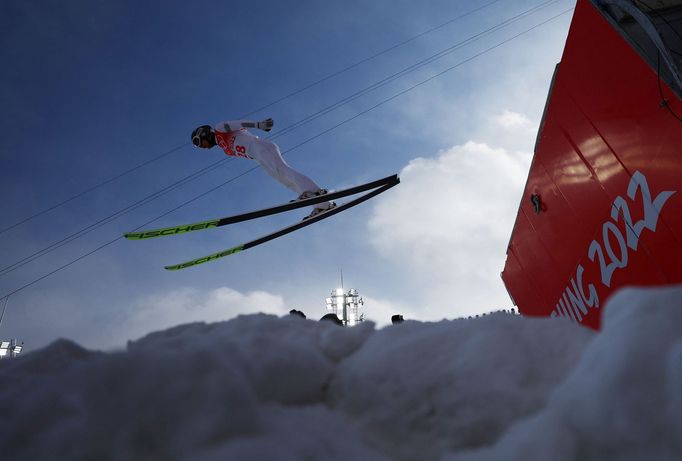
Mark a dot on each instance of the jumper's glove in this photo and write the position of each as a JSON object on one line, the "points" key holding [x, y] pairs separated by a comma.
{"points": [[265, 125]]}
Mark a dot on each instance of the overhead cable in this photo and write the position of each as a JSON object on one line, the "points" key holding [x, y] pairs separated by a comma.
{"points": [[434, 57], [276, 101], [385, 101], [290, 128]]}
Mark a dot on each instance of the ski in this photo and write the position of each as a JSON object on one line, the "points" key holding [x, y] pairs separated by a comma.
{"points": [[286, 230], [209, 224]]}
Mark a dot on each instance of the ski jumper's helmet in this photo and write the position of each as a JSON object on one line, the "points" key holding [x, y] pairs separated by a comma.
{"points": [[201, 133]]}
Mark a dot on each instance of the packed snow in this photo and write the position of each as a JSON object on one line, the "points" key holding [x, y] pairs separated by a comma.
{"points": [[260, 387]]}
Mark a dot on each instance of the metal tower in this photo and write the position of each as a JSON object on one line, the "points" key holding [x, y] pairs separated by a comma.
{"points": [[346, 306], [10, 349]]}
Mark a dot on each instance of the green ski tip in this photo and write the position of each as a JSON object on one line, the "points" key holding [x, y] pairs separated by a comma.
{"points": [[171, 230], [205, 259]]}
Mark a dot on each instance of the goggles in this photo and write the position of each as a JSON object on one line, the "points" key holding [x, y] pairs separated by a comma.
{"points": [[200, 134]]}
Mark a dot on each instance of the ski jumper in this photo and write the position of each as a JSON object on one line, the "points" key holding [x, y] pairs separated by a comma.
{"points": [[238, 142]]}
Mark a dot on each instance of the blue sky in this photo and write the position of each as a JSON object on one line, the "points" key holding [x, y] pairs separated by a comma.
{"points": [[92, 89]]}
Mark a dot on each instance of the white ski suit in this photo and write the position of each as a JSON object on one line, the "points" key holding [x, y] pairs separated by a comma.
{"points": [[236, 141]]}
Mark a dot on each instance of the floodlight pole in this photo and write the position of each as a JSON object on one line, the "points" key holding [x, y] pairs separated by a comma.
{"points": [[12, 345], [345, 306]]}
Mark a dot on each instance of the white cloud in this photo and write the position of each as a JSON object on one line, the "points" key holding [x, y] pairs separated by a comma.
{"points": [[380, 310], [187, 305], [513, 130], [449, 222], [510, 120]]}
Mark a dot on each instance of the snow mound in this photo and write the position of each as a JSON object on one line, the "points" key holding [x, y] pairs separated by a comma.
{"points": [[262, 387], [623, 399]]}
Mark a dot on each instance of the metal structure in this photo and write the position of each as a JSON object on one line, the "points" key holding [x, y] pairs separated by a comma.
{"points": [[10, 349], [346, 306]]}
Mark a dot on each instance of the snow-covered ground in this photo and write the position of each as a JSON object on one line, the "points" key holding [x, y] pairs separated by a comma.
{"points": [[259, 387]]}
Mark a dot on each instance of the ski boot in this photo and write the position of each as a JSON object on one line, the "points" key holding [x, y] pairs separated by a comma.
{"points": [[310, 194], [318, 210]]}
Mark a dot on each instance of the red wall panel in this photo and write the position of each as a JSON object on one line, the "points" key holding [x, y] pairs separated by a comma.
{"points": [[607, 167]]}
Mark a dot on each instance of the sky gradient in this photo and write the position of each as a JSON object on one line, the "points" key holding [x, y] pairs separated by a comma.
{"points": [[93, 89]]}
